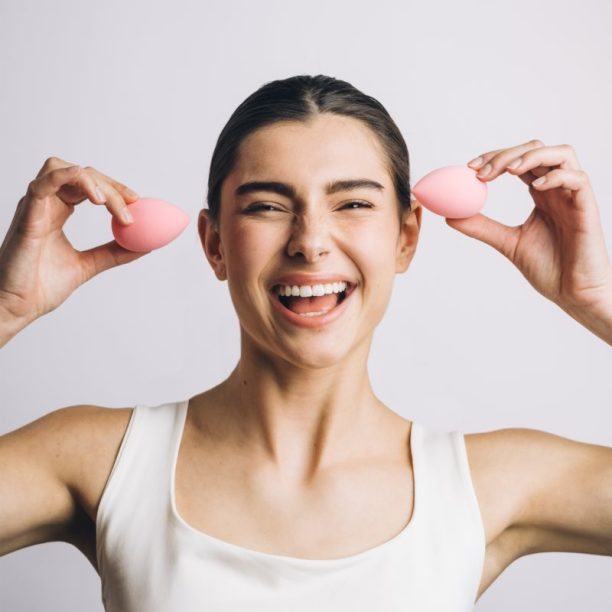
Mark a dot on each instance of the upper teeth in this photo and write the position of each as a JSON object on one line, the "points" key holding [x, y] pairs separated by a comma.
{"points": [[310, 290]]}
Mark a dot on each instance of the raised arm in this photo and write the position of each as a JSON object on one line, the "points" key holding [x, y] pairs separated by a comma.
{"points": [[41, 462]]}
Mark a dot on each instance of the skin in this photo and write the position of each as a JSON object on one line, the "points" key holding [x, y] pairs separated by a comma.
{"points": [[300, 400], [560, 248]]}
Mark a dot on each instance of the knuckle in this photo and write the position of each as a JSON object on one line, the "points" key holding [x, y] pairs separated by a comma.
{"points": [[583, 177], [536, 142], [32, 188]]}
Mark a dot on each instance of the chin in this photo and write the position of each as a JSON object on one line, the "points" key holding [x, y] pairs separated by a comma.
{"points": [[320, 353]]}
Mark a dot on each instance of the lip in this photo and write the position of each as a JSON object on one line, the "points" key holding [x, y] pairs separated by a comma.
{"points": [[312, 322], [311, 279]]}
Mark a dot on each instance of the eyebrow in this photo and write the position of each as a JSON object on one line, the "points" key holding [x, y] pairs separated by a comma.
{"points": [[288, 191]]}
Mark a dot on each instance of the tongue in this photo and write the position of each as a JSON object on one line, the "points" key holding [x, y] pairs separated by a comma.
{"points": [[312, 304]]}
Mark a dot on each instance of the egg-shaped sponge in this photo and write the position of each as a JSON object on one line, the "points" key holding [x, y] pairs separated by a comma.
{"points": [[156, 223], [454, 192]]}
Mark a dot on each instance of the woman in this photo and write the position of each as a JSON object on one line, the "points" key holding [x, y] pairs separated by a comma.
{"points": [[290, 485]]}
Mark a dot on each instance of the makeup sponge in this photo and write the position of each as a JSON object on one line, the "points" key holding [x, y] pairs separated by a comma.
{"points": [[452, 191], [156, 223]]}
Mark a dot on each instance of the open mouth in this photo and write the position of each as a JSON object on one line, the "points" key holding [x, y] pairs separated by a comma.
{"points": [[315, 305]]}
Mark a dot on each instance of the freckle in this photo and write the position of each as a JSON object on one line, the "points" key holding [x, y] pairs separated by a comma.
{"points": [[244, 382]]}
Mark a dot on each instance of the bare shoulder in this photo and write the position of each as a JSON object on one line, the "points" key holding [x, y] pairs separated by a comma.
{"points": [[52, 469], [524, 476], [500, 461], [91, 437]]}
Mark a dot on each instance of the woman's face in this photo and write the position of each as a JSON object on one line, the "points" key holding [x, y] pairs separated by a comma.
{"points": [[299, 226]]}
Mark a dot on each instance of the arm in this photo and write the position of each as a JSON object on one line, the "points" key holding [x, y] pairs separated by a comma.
{"points": [[566, 492], [10, 325], [597, 319], [36, 503]]}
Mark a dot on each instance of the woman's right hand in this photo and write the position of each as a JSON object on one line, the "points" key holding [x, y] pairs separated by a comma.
{"points": [[39, 267]]}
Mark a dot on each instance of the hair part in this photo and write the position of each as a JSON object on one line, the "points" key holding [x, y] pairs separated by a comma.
{"points": [[300, 98]]}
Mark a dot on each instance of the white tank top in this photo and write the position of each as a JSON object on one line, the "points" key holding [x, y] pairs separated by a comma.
{"points": [[151, 560]]}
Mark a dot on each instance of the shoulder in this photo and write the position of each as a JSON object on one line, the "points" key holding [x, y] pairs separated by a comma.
{"points": [[512, 468], [500, 462], [88, 438], [561, 490], [59, 458]]}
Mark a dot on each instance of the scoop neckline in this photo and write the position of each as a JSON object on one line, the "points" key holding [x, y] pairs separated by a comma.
{"points": [[181, 523]]}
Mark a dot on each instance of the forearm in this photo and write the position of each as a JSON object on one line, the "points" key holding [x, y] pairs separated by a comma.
{"points": [[596, 319], [10, 325]]}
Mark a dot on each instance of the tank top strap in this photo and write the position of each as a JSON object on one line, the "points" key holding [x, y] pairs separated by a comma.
{"points": [[136, 491], [453, 526]]}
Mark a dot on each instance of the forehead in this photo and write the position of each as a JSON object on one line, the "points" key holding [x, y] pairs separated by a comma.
{"points": [[321, 149]]}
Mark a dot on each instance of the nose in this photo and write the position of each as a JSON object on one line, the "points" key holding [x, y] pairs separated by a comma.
{"points": [[309, 237]]}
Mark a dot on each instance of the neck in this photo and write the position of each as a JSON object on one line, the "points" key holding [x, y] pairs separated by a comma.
{"points": [[301, 420]]}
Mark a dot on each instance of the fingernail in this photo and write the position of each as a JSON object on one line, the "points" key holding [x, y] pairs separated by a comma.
{"points": [[476, 162], [539, 181], [127, 216], [485, 170], [99, 194]]}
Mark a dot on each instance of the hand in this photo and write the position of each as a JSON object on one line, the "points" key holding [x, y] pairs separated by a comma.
{"points": [[39, 267], [560, 248]]}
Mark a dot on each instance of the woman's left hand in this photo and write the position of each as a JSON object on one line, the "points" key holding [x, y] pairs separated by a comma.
{"points": [[560, 248]]}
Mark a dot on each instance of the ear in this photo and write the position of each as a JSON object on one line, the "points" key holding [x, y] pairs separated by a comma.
{"points": [[211, 243], [410, 226]]}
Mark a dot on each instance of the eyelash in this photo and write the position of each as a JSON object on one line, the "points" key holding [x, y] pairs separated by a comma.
{"points": [[257, 207]]}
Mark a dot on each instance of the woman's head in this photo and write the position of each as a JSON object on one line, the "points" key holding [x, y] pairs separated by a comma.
{"points": [[303, 183]]}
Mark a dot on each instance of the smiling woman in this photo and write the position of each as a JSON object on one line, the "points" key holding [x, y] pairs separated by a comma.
{"points": [[290, 485]]}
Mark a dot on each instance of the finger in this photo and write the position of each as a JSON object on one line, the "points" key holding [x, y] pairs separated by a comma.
{"points": [[101, 191], [124, 190], [568, 179], [502, 238], [49, 184], [542, 160], [106, 256], [84, 185], [115, 204], [495, 162]]}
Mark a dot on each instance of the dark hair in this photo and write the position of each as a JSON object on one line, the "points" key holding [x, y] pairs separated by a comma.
{"points": [[299, 98]]}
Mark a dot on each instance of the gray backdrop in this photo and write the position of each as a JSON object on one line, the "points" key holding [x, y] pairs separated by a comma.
{"points": [[141, 90]]}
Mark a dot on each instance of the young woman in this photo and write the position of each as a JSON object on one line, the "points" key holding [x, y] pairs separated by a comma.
{"points": [[290, 485]]}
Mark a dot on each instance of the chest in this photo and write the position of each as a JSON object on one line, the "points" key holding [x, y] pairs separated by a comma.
{"points": [[340, 513], [343, 512]]}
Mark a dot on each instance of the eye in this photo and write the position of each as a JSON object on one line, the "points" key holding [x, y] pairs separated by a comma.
{"points": [[358, 203], [257, 207]]}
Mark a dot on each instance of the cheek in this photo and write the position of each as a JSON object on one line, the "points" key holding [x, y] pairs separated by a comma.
{"points": [[248, 251], [373, 251]]}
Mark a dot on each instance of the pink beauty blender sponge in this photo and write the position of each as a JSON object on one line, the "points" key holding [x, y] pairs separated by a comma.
{"points": [[452, 191], [156, 223]]}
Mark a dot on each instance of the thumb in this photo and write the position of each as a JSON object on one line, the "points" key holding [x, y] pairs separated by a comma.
{"points": [[105, 256], [502, 238]]}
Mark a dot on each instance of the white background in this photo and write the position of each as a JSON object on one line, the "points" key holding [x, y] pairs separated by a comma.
{"points": [[140, 90]]}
